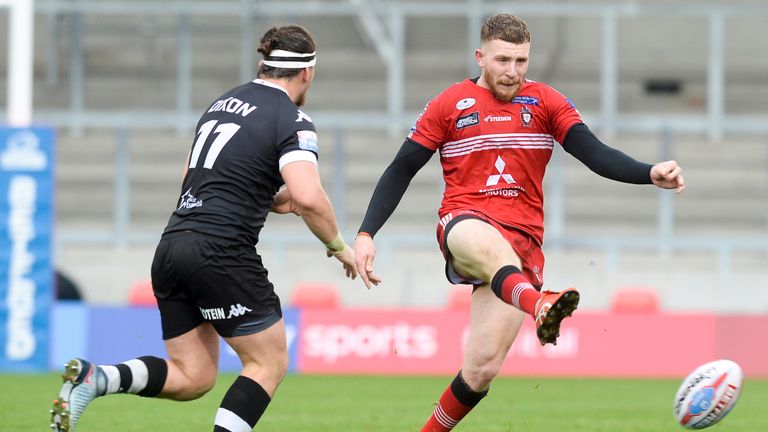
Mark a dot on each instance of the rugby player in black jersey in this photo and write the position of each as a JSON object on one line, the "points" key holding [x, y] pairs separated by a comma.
{"points": [[207, 276]]}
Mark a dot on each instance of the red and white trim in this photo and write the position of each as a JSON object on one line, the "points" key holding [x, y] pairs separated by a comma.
{"points": [[517, 291], [443, 418], [497, 141]]}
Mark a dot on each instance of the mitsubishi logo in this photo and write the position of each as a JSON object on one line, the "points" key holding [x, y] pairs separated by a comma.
{"points": [[493, 179]]}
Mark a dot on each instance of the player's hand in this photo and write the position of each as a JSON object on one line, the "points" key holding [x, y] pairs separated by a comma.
{"points": [[365, 252], [668, 175], [347, 258]]}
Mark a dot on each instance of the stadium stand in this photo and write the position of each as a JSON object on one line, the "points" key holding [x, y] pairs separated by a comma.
{"points": [[130, 69]]}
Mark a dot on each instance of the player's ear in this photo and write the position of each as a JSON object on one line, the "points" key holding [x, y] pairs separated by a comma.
{"points": [[479, 57], [308, 73]]}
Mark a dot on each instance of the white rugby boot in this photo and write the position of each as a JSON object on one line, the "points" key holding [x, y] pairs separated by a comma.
{"points": [[83, 382]]}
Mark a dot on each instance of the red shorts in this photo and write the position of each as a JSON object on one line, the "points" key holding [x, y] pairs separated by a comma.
{"points": [[524, 245]]}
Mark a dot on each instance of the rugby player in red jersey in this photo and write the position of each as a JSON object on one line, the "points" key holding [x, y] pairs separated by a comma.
{"points": [[495, 135]]}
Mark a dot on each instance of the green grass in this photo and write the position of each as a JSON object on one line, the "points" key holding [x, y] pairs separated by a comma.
{"points": [[370, 404]]}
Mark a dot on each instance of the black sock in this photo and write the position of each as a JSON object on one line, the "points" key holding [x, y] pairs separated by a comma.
{"points": [[242, 406], [464, 393]]}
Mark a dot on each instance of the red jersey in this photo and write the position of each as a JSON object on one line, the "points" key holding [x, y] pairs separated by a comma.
{"points": [[494, 154]]}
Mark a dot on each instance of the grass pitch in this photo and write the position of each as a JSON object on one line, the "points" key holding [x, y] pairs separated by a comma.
{"points": [[373, 404]]}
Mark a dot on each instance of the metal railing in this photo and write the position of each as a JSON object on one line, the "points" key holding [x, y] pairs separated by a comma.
{"points": [[385, 23]]}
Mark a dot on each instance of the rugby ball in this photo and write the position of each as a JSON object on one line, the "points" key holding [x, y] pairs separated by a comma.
{"points": [[708, 394]]}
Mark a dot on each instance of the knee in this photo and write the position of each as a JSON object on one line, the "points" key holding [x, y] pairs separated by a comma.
{"points": [[198, 387], [203, 386], [196, 384], [269, 373], [279, 367], [478, 374]]}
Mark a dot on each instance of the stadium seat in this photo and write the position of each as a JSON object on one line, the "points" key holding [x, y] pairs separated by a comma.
{"points": [[141, 294], [316, 295], [635, 300], [460, 298]]}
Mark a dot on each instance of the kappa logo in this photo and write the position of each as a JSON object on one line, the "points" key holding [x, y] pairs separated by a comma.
{"points": [[302, 116], [493, 179], [237, 310]]}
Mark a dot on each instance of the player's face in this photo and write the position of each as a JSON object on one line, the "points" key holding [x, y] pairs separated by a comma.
{"points": [[504, 66]]}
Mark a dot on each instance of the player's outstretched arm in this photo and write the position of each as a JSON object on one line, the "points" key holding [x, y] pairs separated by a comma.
{"points": [[668, 175], [311, 202], [386, 196], [605, 161]]}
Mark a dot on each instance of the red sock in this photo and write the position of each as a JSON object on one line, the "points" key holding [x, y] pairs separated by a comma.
{"points": [[449, 410], [512, 287]]}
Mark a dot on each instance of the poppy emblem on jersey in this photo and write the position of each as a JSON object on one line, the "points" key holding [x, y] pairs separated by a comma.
{"points": [[526, 116], [465, 103], [468, 120]]}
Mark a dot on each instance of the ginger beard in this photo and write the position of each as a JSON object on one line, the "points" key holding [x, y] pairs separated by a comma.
{"points": [[503, 89]]}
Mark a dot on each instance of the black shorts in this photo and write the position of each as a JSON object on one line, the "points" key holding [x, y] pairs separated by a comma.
{"points": [[198, 278]]}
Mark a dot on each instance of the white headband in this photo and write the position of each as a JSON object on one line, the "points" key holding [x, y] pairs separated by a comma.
{"points": [[290, 60]]}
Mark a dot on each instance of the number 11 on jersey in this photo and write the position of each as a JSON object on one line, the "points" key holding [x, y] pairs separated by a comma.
{"points": [[224, 132]]}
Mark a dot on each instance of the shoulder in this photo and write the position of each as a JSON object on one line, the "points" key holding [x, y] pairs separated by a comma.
{"points": [[535, 93], [454, 100], [460, 95]]}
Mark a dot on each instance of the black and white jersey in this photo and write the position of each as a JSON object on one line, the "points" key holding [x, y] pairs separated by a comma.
{"points": [[241, 142]]}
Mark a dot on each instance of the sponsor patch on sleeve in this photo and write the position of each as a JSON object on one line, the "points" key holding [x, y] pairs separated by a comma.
{"points": [[307, 140], [526, 100]]}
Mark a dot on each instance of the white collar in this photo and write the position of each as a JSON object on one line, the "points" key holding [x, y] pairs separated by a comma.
{"points": [[269, 84]]}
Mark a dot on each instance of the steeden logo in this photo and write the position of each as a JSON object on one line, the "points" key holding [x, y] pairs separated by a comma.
{"points": [[497, 118]]}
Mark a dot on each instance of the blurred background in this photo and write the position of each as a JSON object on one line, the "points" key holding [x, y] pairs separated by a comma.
{"points": [[122, 84]]}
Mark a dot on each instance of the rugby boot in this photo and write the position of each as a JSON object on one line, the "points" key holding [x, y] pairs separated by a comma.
{"points": [[550, 310], [83, 382]]}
